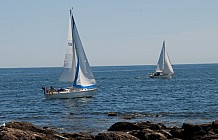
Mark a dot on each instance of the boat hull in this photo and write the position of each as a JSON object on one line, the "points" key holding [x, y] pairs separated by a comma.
{"points": [[169, 76], [71, 93]]}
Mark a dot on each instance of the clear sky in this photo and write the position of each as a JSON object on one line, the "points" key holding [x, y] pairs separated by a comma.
{"points": [[33, 33]]}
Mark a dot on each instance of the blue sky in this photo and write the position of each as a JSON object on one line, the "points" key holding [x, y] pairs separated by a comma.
{"points": [[33, 33]]}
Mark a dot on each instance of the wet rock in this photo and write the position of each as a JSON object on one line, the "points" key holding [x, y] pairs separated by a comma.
{"points": [[112, 114], [128, 117], [123, 126]]}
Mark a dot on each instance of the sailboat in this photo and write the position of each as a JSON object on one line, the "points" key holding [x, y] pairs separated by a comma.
{"points": [[76, 69], [164, 68]]}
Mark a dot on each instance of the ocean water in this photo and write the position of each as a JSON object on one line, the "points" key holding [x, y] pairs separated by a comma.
{"points": [[190, 96]]}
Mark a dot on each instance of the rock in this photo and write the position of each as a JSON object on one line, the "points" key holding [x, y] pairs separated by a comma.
{"points": [[210, 137], [28, 131], [155, 136], [28, 126], [123, 126], [115, 136], [215, 125], [190, 128], [23, 126], [120, 130], [194, 132], [166, 134], [112, 114], [140, 134], [150, 125], [128, 117], [176, 132], [152, 131], [79, 136], [148, 134], [16, 134]]}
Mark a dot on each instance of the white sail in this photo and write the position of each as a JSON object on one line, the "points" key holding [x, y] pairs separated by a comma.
{"points": [[83, 81], [160, 63], [164, 64], [76, 67], [69, 68], [168, 69]]}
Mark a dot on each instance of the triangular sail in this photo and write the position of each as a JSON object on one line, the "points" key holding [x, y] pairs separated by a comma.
{"points": [[85, 76], [82, 73], [168, 69], [164, 64], [69, 68], [160, 63]]}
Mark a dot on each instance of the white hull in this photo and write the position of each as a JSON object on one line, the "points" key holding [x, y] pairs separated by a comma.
{"points": [[71, 93], [161, 76]]}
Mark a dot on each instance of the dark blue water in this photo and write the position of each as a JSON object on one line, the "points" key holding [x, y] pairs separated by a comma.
{"points": [[191, 96]]}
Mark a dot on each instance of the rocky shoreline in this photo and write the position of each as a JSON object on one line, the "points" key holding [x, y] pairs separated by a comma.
{"points": [[118, 131]]}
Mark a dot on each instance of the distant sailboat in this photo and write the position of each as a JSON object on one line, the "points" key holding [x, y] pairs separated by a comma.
{"points": [[76, 69], [164, 68]]}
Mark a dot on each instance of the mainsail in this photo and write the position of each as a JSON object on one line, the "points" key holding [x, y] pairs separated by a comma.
{"points": [[164, 64], [76, 65]]}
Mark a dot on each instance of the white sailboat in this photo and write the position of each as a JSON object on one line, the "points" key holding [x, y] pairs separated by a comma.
{"points": [[76, 69], [164, 68]]}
